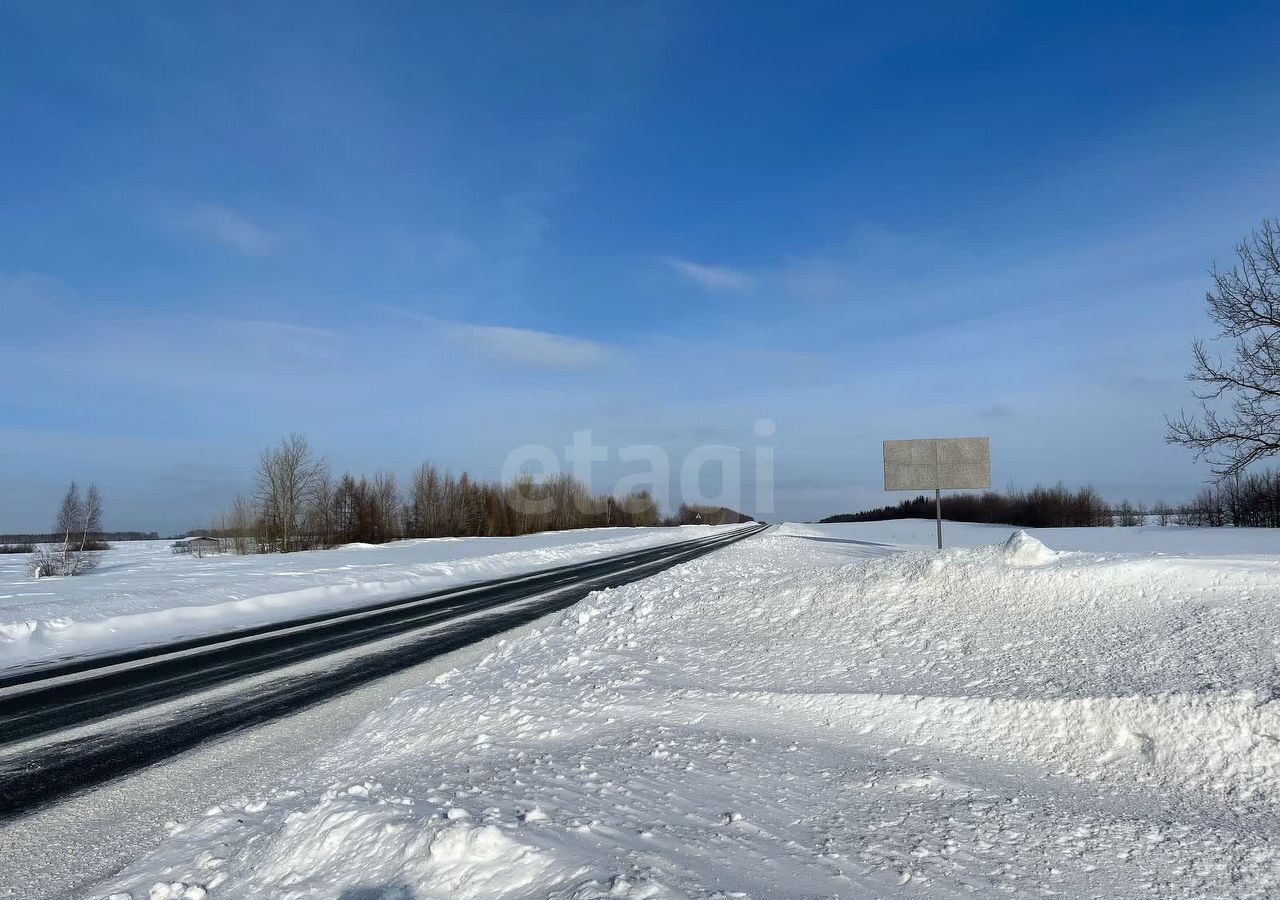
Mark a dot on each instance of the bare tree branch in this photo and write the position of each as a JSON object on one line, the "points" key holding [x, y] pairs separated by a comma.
{"points": [[1245, 304]]}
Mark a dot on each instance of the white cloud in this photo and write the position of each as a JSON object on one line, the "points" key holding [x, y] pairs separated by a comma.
{"points": [[712, 278], [531, 348], [227, 227]]}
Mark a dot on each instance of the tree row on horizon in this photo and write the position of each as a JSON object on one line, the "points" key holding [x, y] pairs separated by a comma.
{"points": [[297, 504]]}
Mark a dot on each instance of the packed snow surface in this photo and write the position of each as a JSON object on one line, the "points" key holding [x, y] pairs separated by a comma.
{"points": [[819, 711], [142, 594]]}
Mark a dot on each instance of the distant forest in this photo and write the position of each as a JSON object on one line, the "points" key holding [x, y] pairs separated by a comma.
{"points": [[298, 505], [50, 538], [1251, 500], [1040, 507]]}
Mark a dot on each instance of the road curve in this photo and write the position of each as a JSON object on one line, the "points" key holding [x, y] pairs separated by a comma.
{"points": [[67, 727]]}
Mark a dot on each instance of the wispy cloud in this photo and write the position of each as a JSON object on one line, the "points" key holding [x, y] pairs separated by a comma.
{"points": [[211, 352], [283, 339], [531, 348], [28, 290], [449, 247], [225, 226], [712, 278]]}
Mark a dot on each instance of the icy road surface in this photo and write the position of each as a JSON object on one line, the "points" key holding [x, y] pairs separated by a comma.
{"points": [[811, 713]]}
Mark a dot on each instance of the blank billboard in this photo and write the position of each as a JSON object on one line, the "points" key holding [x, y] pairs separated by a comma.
{"points": [[931, 463]]}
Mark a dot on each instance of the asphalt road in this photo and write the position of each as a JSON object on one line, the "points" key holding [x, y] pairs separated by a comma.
{"points": [[66, 728]]}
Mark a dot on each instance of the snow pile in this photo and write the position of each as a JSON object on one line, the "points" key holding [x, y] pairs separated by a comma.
{"points": [[810, 714], [143, 594], [1023, 550]]}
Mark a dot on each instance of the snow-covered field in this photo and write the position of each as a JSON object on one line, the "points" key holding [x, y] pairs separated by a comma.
{"points": [[1148, 539], [142, 594], [812, 713]]}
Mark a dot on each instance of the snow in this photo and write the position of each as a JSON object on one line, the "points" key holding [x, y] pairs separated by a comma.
{"points": [[1023, 550], [60, 850], [1148, 539], [817, 711], [143, 594]]}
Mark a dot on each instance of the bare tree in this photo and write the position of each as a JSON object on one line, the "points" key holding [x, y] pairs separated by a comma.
{"points": [[240, 524], [319, 514], [70, 515], [1129, 515], [450, 506], [423, 510], [287, 477], [639, 508], [386, 505], [345, 516], [1245, 304], [91, 521], [76, 521], [530, 506]]}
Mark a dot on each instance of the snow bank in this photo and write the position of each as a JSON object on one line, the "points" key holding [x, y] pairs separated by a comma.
{"points": [[809, 714], [142, 594]]}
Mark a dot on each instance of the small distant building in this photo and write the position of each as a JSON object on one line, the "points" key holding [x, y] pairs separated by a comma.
{"points": [[197, 545]]}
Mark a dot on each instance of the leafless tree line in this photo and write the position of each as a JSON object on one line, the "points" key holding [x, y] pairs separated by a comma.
{"points": [[1040, 507], [46, 537], [297, 504], [696, 514], [1248, 500], [79, 524], [1127, 514]]}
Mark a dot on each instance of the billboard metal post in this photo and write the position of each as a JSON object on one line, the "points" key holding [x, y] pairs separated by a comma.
{"points": [[937, 491], [937, 463], [937, 505]]}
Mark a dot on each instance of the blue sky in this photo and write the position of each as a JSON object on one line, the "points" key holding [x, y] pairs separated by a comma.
{"points": [[441, 231]]}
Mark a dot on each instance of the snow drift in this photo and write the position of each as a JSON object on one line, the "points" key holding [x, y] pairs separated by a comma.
{"points": [[809, 714]]}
